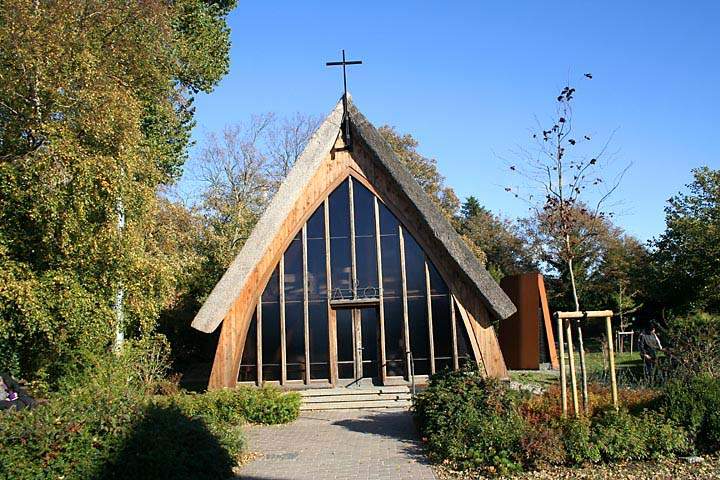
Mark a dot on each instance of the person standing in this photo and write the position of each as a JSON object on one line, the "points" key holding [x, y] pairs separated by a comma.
{"points": [[649, 347]]}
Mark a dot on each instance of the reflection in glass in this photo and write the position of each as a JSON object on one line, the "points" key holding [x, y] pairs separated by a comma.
{"points": [[414, 267], [365, 244], [437, 284], [317, 282], [341, 270], [388, 222], [248, 364], [271, 328]]}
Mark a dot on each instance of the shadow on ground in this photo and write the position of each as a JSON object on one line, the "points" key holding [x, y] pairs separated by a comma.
{"points": [[168, 444], [398, 425]]}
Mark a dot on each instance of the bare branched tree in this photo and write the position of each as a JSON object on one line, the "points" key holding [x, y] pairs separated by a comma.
{"points": [[567, 189], [241, 168], [565, 185], [287, 140]]}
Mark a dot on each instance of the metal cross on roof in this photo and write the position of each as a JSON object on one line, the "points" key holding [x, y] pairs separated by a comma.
{"points": [[345, 125]]}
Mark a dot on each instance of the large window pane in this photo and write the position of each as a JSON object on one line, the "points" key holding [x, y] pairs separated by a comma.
{"points": [[442, 332], [394, 338], [370, 338], [294, 311], [248, 364], [414, 267], [419, 336], [388, 222], [294, 340], [365, 243], [271, 327], [366, 254], [294, 271], [319, 341], [437, 284], [364, 207], [317, 282], [391, 268], [346, 367], [341, 269]]}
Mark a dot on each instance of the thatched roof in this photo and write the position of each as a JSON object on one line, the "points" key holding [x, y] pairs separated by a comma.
{"points": [[434, 222]]}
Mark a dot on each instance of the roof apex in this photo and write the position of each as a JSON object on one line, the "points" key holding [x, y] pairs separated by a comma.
{"points": [[233, 281]]}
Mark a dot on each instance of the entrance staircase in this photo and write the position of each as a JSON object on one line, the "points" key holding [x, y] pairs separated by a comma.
{"points": [[356, 398]]}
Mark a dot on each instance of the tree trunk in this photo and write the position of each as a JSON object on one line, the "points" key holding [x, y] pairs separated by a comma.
{"points": [[581, 346]]}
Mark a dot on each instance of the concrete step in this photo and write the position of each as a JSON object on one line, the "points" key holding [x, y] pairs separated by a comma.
{"points": [[356, 398], [358, 405], [325, 392]]}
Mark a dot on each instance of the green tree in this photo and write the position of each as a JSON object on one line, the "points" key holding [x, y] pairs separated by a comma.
{"points": [[424, 169], [686, 257], [95, 113], [505, 251]]}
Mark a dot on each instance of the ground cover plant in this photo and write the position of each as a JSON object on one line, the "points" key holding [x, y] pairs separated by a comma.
{"points": [[474, 424], [111, 420]]}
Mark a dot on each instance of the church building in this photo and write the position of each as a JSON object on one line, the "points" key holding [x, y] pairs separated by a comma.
{"points": [[352, 276]]}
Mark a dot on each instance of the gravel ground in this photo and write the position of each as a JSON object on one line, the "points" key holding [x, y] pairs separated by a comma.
{"points": [[655, 470]]}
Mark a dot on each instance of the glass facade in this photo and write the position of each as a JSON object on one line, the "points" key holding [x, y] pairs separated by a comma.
{"points": [[317, 287]]}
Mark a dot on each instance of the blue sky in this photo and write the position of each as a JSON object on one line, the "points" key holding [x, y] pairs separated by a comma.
{"points": [[468, 79]]}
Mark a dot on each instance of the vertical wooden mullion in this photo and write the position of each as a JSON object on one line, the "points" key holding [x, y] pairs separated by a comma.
{"points": [[332, 319], [353, 264], [406, 323], [258, 338], [453, 329], [283, 354], [381, 308], [306, 308], [431, 340]]}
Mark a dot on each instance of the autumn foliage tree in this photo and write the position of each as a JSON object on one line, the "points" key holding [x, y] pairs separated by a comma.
{"points": [[95, 113]]}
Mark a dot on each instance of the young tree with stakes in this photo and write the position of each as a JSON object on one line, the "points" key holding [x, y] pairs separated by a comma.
{"points": [[564, 174]]}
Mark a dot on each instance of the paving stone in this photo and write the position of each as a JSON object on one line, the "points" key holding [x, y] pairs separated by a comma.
{"points": [[339, 444]]}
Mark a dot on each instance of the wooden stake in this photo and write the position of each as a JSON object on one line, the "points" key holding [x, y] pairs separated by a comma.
{"points": [[583, 369], [563, 375], [611, 354], [573, 377]]}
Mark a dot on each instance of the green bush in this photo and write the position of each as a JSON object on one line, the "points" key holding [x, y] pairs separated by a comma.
{"points": [[267, 405], [577, 440], [470, 421], [693, 342], [694, 403], [621, 436], [105, 423]]}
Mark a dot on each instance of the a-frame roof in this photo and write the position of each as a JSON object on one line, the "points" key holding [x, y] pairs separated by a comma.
{"points": [[433, 223]]}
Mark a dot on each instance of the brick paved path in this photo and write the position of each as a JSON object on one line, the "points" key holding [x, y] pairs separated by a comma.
{"points": [[367, 445]]}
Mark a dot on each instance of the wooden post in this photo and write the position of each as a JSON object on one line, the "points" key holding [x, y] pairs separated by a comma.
{"points": [[258, 339], [381, 306], [332, 320], [611, 354], [453, 330], [406, 322], [431, 339], [583, 369], [563, 374], [283, 341], [573, 377], [306, 305]]}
